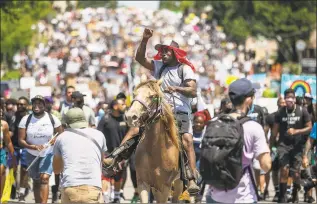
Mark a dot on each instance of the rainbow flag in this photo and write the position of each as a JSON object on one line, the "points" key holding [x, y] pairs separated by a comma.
{"points": [[301, 84]]}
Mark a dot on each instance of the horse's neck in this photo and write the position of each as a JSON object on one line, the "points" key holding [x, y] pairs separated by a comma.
{"points": [[156, 134]]}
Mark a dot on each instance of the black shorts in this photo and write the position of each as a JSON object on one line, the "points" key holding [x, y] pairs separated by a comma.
{"points": [[290, 157], [275, 164]]}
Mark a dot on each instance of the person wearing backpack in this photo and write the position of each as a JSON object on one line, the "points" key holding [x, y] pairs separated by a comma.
{"points": [[36, 130], [230, 143], [293, 123]]}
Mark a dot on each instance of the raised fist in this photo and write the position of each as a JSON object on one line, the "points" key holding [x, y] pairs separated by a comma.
{"points": [[147, 33]]}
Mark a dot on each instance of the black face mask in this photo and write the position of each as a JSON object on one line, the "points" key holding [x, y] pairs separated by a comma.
{"points": [[49, 108], [39, 113]]}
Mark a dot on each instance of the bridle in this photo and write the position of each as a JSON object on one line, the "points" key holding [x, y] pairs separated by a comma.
{"points": [[151, 113]]}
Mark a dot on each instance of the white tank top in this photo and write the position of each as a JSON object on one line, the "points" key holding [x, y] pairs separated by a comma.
{"points": [[1, 135]]}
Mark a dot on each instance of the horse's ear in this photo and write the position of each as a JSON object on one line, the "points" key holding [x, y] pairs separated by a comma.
{"points": [[160, 81]]}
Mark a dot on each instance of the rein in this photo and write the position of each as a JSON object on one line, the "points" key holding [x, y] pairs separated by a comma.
{"points": [[152, 114]]}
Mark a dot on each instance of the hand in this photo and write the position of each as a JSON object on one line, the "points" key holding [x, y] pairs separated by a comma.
{"points": [[170, 89], [38, 147], [292, 131], [14, 163], [305, 162], [147, 33]]}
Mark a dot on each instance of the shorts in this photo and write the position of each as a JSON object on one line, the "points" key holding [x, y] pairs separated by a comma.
{"points": [[44, 165], [20, 155], [3, 157], [184, 123], [290, 157], [275, 164], [81, 194]]}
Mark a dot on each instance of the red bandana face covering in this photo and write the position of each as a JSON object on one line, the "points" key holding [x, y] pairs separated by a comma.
{"points": [[179, 54]]}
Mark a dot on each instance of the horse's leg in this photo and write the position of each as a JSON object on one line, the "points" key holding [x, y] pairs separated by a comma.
{"points": [[144, 190], [161, 196], [178, 190]]}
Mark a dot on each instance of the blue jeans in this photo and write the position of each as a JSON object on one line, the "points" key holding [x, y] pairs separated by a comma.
{"points": [[44, 165], [20, 155]]}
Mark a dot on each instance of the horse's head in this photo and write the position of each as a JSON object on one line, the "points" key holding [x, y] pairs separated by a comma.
{"points": [[146, 104]]}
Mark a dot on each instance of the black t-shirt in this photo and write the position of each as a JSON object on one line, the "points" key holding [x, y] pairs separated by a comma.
{"points": [[15, 130], [258, 115], [295, 119], [270, 119], [114, 130]]}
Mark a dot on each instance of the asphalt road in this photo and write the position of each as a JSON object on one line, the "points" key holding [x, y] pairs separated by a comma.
{"points": [[129, 191]]}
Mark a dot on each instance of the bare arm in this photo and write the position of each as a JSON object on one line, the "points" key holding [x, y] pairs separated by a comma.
{"points": [[140, 56], [22, 140], [7, 138], [265, 161], [133, 131], [58, 164], [308, 146], [274, 133], [189, 89], [305, 130]]}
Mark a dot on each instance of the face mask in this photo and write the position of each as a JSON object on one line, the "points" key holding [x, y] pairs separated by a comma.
{"points": [[101, 112], [251, 109], [290, 102]]}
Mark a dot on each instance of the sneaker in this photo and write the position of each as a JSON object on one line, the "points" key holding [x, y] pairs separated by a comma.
{"points": [[116, 200], [193, 189], [275, 198], [122, 196], [21, 198], [310, 199], [135, 198]]}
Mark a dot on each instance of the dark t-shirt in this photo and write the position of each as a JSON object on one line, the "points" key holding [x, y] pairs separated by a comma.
{"points": [[114, 130], [270, 119], [296, 120], [258, 115], [15, 130]]}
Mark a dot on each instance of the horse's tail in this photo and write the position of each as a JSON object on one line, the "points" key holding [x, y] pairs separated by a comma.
{"points": [[171, 125]]}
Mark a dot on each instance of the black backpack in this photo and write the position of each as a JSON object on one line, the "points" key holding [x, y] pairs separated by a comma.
{"points": [[221, 152]]}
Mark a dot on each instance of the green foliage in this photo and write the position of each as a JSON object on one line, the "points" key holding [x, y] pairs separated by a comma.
{"points": [[11, 75], [96, 4], [177, 6], [17, 17]]}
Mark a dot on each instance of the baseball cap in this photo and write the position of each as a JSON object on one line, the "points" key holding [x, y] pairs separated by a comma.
{"points": [[38, 97], [75, 118], [77, 94], [308, 95], [241, 87], [49, 99]]}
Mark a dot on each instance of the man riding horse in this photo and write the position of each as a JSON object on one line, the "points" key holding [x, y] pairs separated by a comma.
{"points": [[179, 87]]}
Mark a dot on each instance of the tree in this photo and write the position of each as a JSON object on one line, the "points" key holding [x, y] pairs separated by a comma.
{"points": [[96, 4], [176, 5], [17, 17], [284, 21]]}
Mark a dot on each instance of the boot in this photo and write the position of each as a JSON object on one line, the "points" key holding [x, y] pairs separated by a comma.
{"points": [[193, 188], [282, 195]]}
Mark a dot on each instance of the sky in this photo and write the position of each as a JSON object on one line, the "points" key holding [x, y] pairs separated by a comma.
{"points": [[140, 4]]}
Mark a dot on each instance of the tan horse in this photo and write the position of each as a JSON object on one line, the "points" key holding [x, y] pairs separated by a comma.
{"points": [[157, 155]]}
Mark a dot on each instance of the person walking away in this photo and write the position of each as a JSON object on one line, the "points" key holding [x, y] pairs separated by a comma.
{"points": [[270, 119], [36, 130], [114, 128], [20, 152], [65, 105], [80, 169], [5, 140], [78, 101], [292, 123], [49, 108], [246, 141]]}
